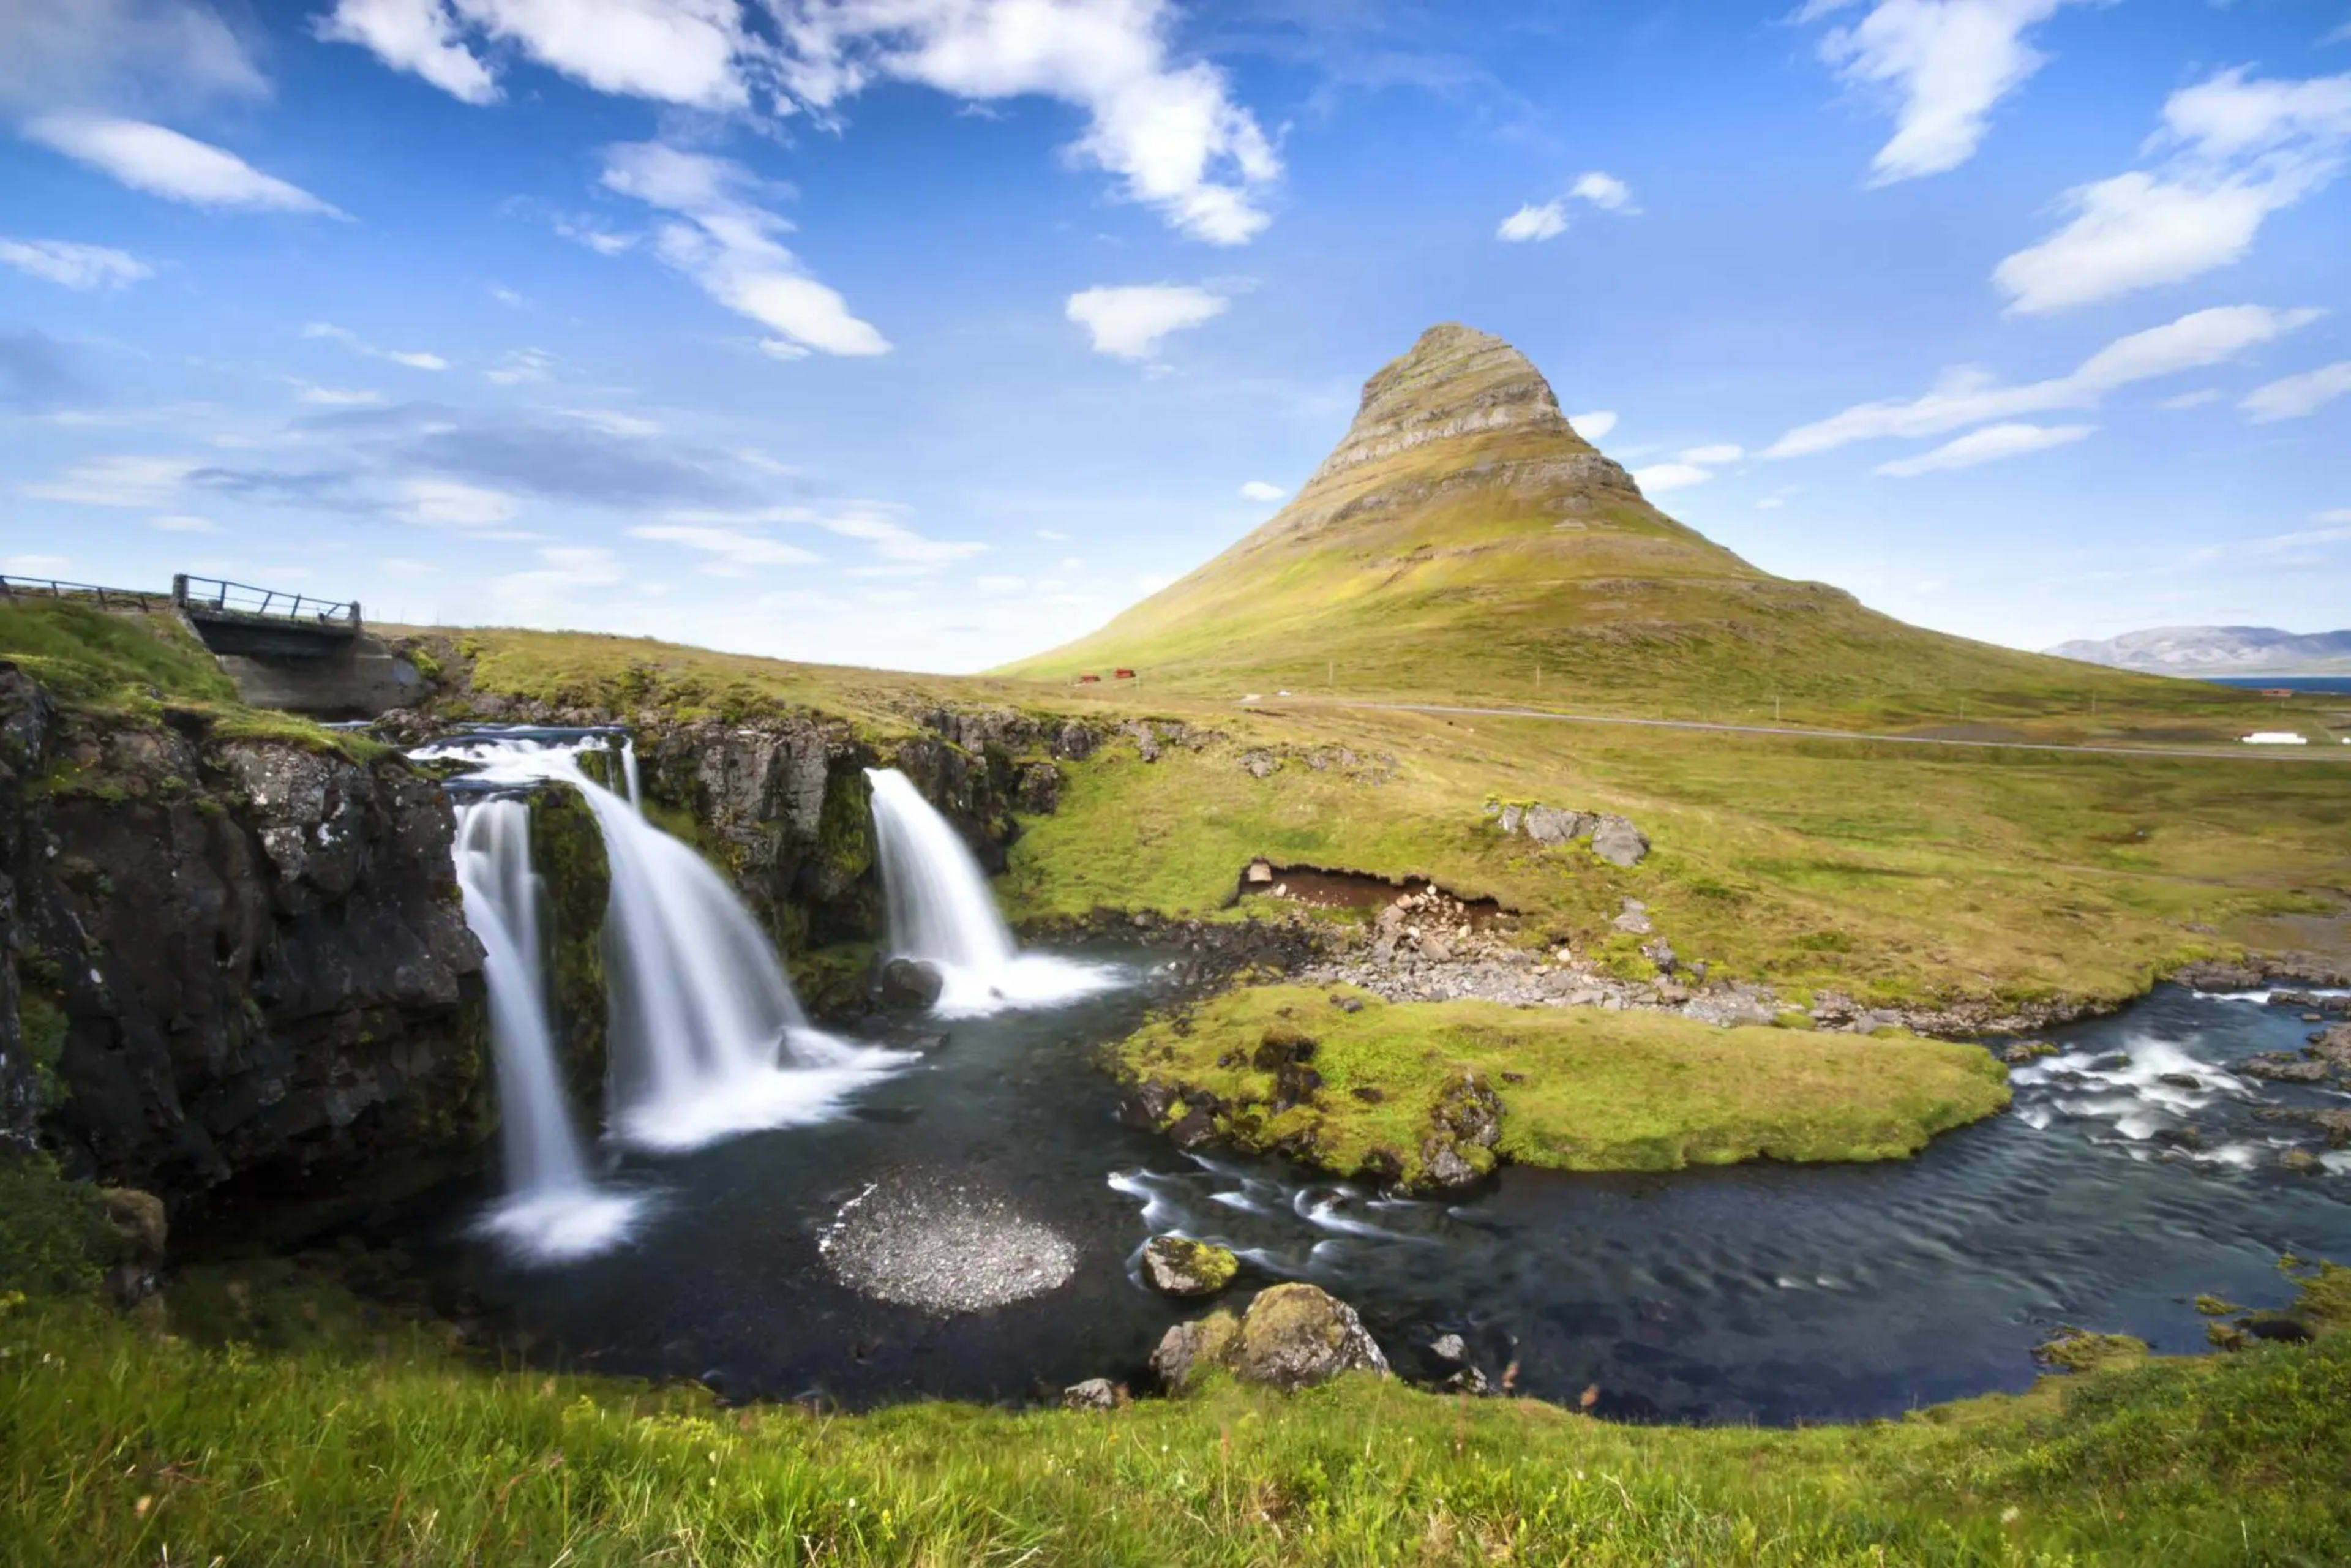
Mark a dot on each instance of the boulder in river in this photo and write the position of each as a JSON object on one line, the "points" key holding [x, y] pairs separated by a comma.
{"points": [[1293, 1336], [1178, 1266], [910, 983], [1094, 1394]]}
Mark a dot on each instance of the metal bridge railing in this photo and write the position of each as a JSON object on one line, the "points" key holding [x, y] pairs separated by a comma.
{"points": [[203, 593], [49, 588]]}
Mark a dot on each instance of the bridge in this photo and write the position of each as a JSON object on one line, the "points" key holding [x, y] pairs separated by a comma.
{"points": [[237, 618]]}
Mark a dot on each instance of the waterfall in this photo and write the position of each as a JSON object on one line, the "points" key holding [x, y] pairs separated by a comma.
{"points": [[629, 773], [706, 1038], [942, 912], [551, 1211]]}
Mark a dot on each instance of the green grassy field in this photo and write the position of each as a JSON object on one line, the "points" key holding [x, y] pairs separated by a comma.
{"points": [[1581, 1089], [320, 1433]]}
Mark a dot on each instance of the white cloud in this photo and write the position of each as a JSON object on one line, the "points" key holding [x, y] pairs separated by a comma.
{"points": [[733, 546], [165, 163], [144, 483], [446, 503], [906, 552], [519, 365], [614, 422], [1170, 134], [2188, 400], [1549, 219], [1534, 223], [1945, 63], [2295, 396], [418, 35], [2241, 148], [1053, 534], [1986, 446], [79, 53], [1967, 395], [1127, 323], [603, 242], [1153, 581], [695, 53], [1592, 426], [182, 523], [1603, 191], [415, 360], [1660, 477], [34, 565], [1714, 456], [727, 247], [1258, 490], [75, 265], [1001, 584], [340, 397]]}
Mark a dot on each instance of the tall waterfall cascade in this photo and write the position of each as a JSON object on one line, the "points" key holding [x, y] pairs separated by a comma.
{"points": [[552, 1210], [706, 1037], [942, 912]]}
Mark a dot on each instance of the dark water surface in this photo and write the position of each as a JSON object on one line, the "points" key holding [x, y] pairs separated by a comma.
{"points": [[2325, 684], [1770, 1293]]}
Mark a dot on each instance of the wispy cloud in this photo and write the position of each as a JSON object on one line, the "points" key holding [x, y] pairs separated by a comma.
{"points": [[75, 265], [1130, 322], [2241, 147], [1549, 220], [415, 360], [1986, 445], [2294, 396], [727, 244], [1258, 490], [1968, 395], [1944, 64], [162, 162]]}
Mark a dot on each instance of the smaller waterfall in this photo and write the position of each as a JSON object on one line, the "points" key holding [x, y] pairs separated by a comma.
{"points": [[629, 773], [942, 912], [551, 1210]]}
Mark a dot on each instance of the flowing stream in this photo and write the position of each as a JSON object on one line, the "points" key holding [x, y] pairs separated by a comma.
{"points": [[942, 912], [1760, 1292]]}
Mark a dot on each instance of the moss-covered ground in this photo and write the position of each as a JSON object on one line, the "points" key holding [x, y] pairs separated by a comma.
{"points": [[1901, 873], [284, 1427], [1581, 1089], [127, 667]]}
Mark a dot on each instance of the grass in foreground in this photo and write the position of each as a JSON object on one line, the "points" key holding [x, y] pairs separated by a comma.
{"points": [[120, 1446], [1581, 1089]]}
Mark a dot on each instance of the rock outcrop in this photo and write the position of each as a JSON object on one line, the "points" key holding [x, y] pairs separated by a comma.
{"points": [[1178, 1266], [1293, 1336], [245, 955], [1612, 838]]}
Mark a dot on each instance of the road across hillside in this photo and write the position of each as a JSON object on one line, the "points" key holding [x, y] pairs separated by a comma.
{"points": [[2317, 752]]}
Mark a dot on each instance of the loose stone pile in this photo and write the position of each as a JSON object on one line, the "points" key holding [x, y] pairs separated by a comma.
{"points": [[945, 1245]]}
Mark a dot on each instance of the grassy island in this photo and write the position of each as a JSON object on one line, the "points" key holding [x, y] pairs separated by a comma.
{"points": [[1578, 1088]]}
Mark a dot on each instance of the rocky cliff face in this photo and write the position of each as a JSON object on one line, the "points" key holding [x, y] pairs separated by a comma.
{"points": [[781, 802], [246, 957]]}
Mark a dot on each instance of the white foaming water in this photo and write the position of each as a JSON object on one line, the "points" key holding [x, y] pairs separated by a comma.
{"points": [[2137, 1093], [551, 1211], [941, 913], [708, 1038]]}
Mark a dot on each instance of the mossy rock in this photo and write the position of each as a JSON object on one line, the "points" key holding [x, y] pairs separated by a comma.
{"points": [[2079, 1349], [1180, 1266], [567, 850]]}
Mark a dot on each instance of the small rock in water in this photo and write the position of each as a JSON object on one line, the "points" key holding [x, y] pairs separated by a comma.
{"points": [[2302, 1162], [1468, 1380], [1450, 1347], [1178, 1266], [909, 983]]}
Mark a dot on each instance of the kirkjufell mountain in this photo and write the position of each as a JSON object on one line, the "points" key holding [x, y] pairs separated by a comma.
{"points": [[1462, 536]]}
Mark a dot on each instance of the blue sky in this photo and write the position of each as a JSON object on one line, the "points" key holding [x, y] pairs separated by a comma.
{"points": [[924, 333]]}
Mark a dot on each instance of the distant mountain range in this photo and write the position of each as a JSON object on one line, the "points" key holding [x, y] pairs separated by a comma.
{"points": [[2217, 650]]}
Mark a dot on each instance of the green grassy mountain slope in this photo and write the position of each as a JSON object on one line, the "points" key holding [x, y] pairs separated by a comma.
{"points": [[1462, 535]]}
